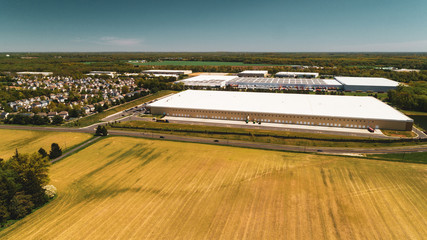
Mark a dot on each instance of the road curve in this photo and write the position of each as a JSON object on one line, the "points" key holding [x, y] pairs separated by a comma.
{"points": [[235, 143]]}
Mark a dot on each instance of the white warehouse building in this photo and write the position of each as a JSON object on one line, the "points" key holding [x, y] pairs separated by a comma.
{"points": [[205, 81], [297, 75], [253, 73], [367, 84], [284, 83], [302, 109], [172, 72]]}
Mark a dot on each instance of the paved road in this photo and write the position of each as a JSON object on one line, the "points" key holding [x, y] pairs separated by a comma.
{"points": [[376, 150], [420, 133], [235, 143]]}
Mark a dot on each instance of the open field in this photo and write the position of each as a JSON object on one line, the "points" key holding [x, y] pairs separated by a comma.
{"points": [[200, 63], [30, 141], [129, 188], [89, 120], [258, 135]]}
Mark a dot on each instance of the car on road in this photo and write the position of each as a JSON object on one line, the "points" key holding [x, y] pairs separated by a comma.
{"points": [[216, 140], [162, 137]]}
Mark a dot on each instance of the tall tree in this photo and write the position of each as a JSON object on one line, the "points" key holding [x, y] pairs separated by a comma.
{"points": [[55, 151], [32, 174], [42, 152]]}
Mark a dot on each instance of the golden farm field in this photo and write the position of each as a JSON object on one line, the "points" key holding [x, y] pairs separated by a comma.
{"points": [[31, 141], [129, 188]]}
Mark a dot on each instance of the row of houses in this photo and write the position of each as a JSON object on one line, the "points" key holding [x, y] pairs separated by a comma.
{"points": [[37, 102], [66, 84], [50, 115]]}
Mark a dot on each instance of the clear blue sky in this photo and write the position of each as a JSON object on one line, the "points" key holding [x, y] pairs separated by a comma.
{"points": [[220, 25]]}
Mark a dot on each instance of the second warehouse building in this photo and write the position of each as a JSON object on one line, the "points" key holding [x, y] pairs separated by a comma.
{"points": [[303, 109]]}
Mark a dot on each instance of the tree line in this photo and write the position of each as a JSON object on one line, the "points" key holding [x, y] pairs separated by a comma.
{"points": [[21, 119], [411, 97]]}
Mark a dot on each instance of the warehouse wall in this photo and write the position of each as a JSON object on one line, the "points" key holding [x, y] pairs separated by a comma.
{"points": [[367, 88], [286, 118]]}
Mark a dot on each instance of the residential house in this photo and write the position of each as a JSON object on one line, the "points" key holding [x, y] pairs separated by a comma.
{"points": [[63, 114]]}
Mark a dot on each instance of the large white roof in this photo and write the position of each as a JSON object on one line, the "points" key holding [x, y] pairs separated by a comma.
{"points": [[255, 71], [283, 81], [282, 103], [208, 78], [167, 71], [367, 81], [297, 73]]}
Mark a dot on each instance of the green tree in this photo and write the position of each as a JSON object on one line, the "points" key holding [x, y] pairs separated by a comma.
{"points": [[8, 188], [125, 89], [101, 131], [57, 120], [32, 174], [99, 108], [98, 131], [42, 152], [20, 205], [104, 131], [74, 113], [55, 151]]}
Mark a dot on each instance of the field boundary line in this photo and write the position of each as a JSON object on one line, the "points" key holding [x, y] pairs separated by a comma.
{"points": [[76, 149]]}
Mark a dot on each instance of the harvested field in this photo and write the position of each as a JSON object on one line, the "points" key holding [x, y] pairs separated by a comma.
{"points": [[30, 141], [129, 188]]}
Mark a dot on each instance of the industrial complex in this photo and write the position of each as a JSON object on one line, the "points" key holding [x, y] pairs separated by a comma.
{"points": [[281, 108], [244, 80]]}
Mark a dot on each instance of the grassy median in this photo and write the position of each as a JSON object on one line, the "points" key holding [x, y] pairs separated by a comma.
{"points": [[257, 135]]}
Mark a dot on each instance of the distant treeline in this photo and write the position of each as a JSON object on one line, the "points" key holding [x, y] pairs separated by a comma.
{"points": [[77, 64]]}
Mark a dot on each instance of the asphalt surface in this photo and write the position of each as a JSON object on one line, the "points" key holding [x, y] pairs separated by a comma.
{"points": [[420, 133], [234, 143]]}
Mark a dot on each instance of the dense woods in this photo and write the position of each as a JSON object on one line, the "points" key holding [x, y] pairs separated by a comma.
{"points": [[23, 180], [413, 97]]}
